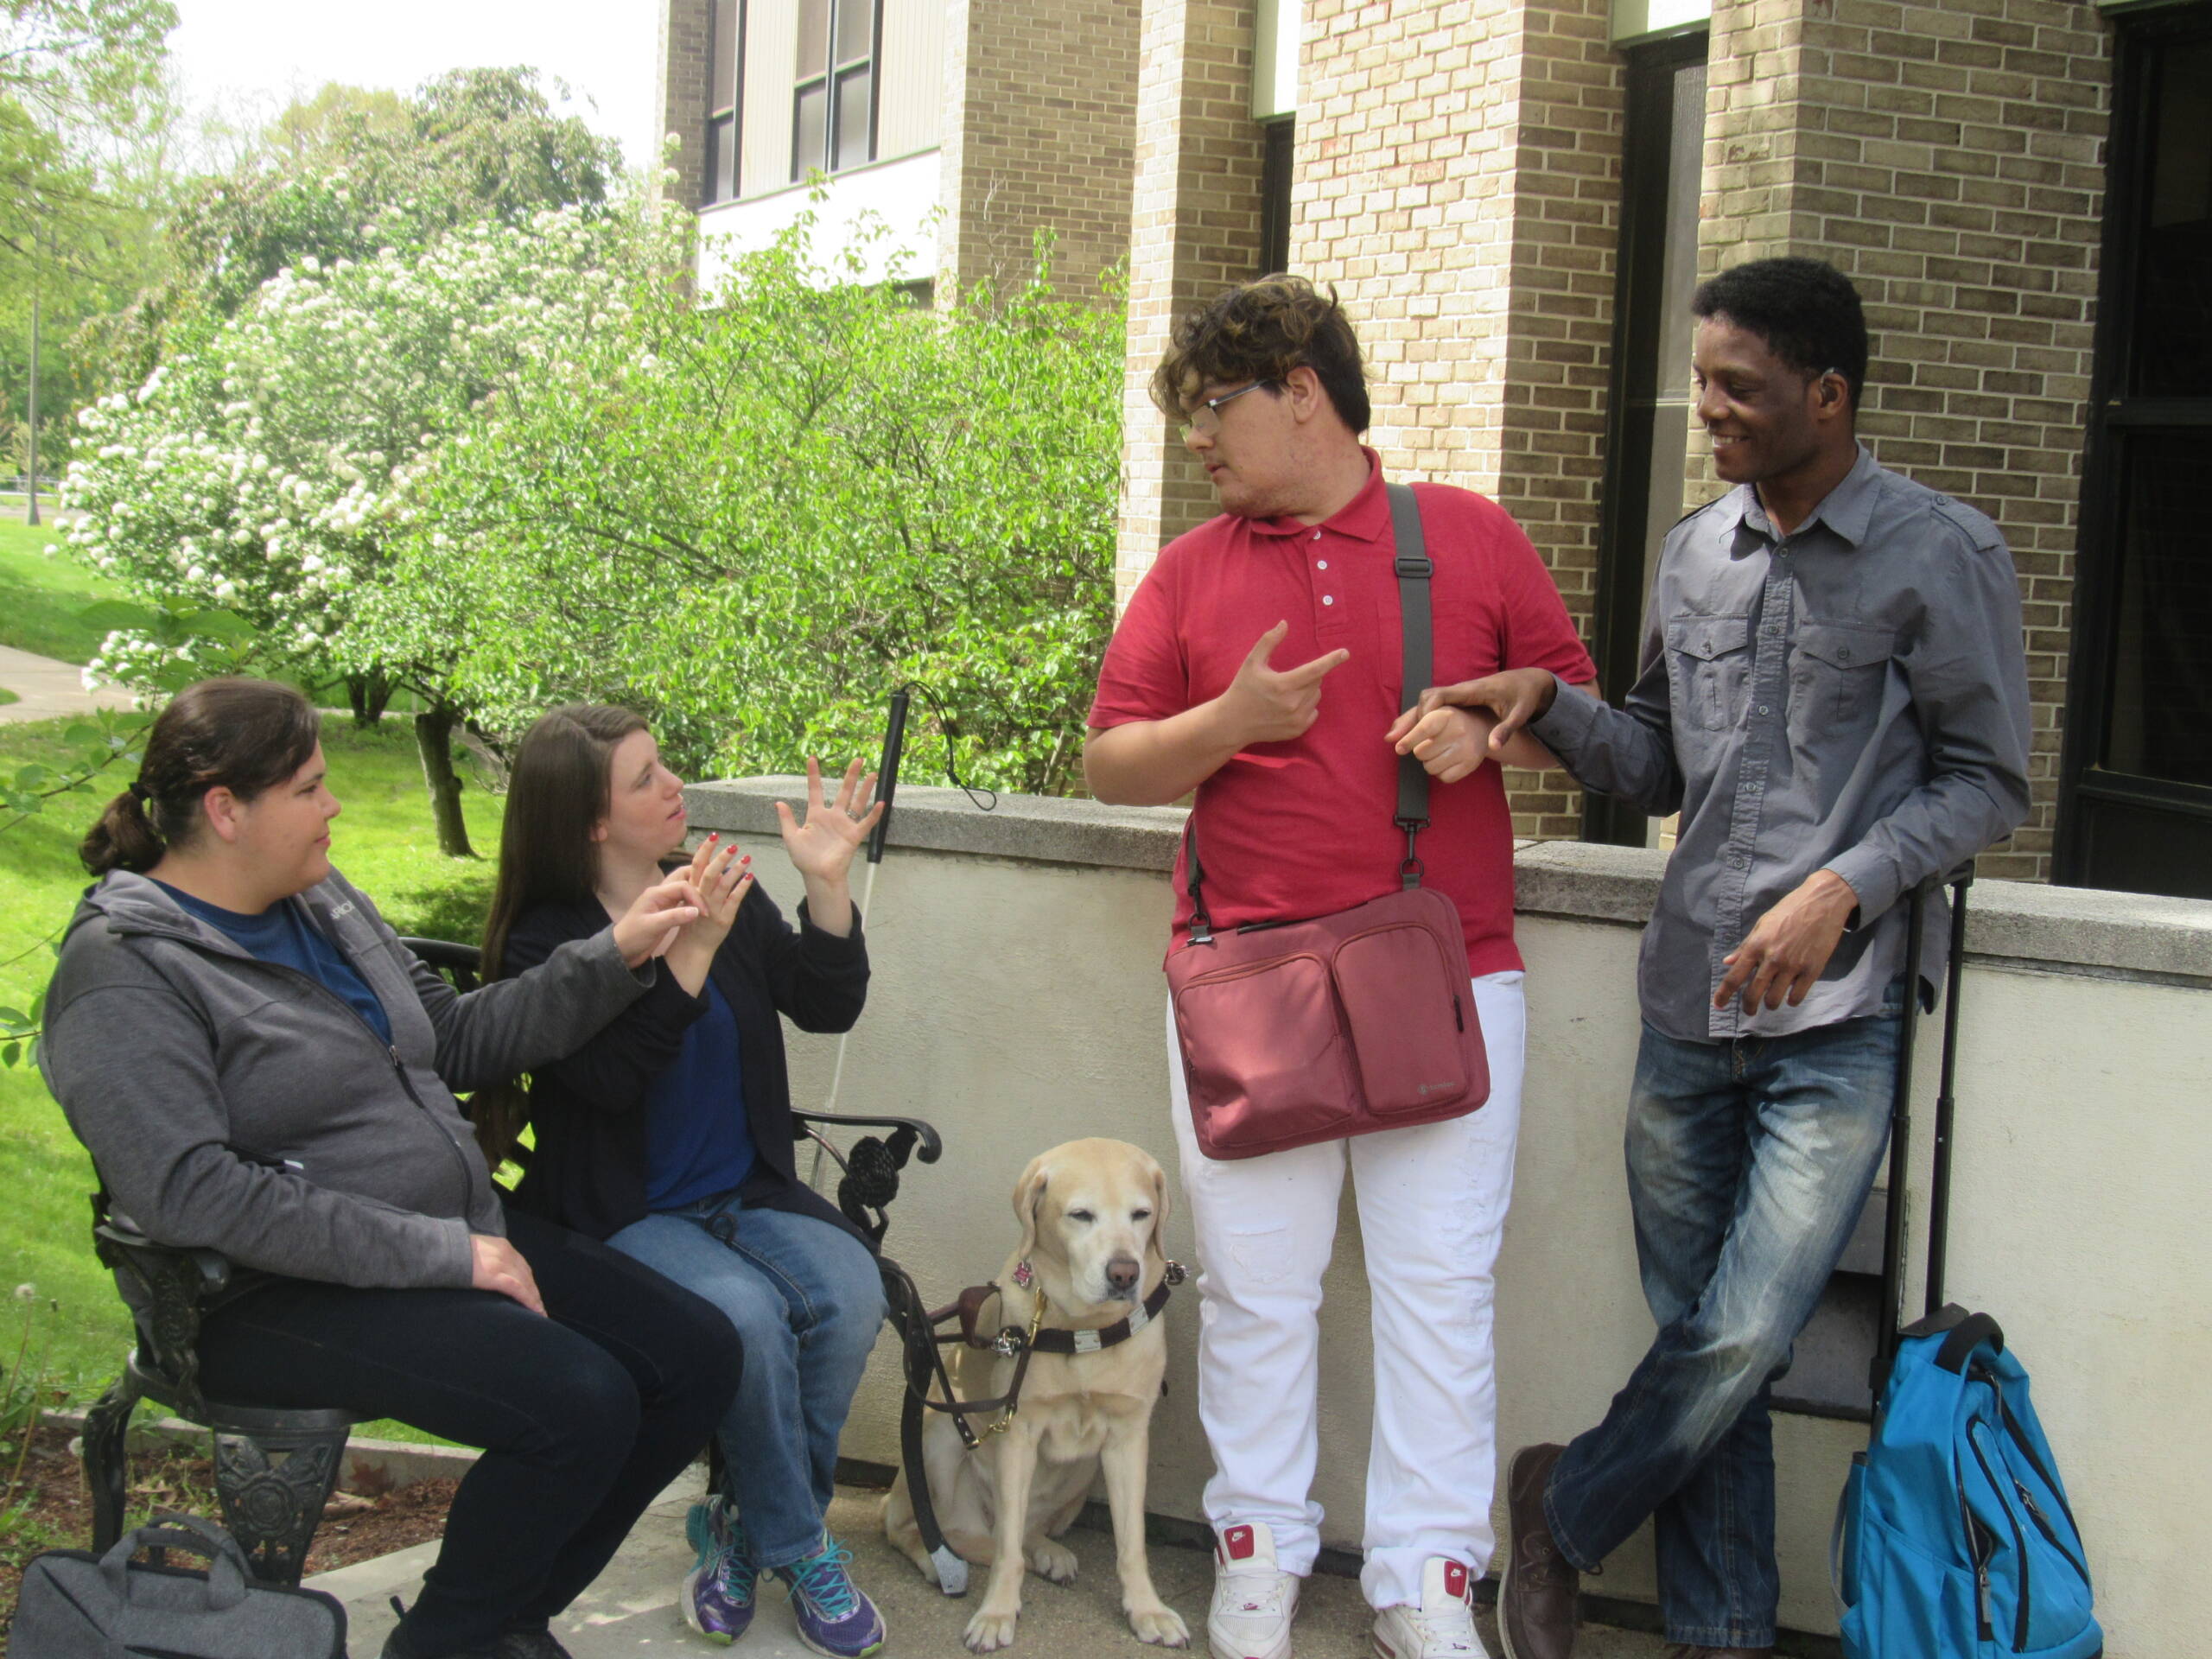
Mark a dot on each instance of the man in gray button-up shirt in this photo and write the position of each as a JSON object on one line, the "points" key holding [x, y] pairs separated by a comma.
{"points": [[1834, 697]]}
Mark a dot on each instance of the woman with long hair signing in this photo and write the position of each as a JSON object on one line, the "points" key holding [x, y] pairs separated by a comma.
{"points": [[669, 1134], [258, 1067]]}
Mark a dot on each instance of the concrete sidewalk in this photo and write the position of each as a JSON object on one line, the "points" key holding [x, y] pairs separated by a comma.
{"points": [[50, 690], [632, 1607]]}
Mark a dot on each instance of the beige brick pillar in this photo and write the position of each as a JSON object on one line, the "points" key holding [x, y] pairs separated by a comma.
{"points": [[1947, 158], [1458, 180], [1194, 230], [1039, 133], [686, 78]]}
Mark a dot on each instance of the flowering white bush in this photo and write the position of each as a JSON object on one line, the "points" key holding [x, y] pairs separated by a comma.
{"points": [[272, 471]]}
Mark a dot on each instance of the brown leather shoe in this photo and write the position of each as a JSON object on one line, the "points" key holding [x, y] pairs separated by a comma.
{"points": [[1538, 1599]]}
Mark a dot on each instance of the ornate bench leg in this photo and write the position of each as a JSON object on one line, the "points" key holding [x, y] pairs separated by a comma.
{"points": [[273, 1488], [107, 1460]]}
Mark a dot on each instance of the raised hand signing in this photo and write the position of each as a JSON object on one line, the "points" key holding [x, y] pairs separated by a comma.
{"points": [[822, 844]]}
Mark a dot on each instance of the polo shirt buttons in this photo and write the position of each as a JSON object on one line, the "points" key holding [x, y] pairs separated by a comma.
{"points": [[1328, 599], [1321, 564]]}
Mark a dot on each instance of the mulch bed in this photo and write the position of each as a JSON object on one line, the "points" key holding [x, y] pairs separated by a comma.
{"points": [[51, 1509]]}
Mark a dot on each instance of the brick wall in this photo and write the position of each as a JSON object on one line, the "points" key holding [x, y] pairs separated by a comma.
{"points": [[1040, 134], [1194, 230], [1458, 179], [685, 78], [1948, 157]]}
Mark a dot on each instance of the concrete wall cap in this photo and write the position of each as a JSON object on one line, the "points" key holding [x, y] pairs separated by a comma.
{"points": [[2018, 924]]}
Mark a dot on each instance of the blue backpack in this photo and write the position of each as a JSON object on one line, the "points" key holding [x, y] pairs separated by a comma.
{"points": [[1954, 1539]]}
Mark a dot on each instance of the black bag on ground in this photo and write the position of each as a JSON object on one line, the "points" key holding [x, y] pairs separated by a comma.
{"points": [[79, 1605]]}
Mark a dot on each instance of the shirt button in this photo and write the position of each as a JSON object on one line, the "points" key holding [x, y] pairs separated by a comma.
{"points": [[1844, 655], [1317, 534], [1328, 599], [1762, 708], [1735, 861], [1321, 564]]}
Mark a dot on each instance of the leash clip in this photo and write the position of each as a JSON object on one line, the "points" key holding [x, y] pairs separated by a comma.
{"points": [[1177, 1272], [1009, 1343]]}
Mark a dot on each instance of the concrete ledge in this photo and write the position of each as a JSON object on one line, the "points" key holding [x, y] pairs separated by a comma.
{"points": [[2013, 924]]}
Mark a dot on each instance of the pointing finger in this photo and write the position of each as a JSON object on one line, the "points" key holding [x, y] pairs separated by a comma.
{"points": [[1310, 673]]}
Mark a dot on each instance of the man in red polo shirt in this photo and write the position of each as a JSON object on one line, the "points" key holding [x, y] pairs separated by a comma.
{"points": [[1258, 664]]}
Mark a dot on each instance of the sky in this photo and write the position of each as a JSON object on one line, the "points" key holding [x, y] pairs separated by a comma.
{"points": [[254, 56]]}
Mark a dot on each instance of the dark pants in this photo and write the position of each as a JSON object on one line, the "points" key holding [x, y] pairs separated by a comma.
{"points": [[584, 1416]]}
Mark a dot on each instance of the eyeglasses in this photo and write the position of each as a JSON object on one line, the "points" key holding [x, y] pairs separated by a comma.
{"points": [[1207, 417]]}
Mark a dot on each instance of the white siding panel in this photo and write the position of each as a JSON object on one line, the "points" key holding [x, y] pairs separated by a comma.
{"points": [[910, 108], [771, 66]]}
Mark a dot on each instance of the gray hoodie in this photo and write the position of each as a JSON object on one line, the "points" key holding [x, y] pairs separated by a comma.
{"points": [[240, 1105]]}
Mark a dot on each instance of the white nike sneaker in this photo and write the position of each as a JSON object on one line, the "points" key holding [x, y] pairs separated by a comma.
{"points": [[1253, 1601], [1442, 1627]]}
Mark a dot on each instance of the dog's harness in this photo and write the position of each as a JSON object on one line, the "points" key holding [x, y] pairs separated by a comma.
{"points": [[925, 1367]]}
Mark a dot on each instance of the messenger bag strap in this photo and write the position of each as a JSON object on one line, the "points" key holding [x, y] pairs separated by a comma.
{"points": [[1414, 569]]}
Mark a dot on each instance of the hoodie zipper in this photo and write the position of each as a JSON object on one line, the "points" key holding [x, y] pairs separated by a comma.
{"points": [[239, 953]]}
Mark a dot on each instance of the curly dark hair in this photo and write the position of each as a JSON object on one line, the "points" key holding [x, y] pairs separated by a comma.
{"points": [[1262, 331], [1806, 310]]}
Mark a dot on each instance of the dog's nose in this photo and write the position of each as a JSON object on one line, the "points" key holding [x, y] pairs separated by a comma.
{"points": [[1121, 1272]]}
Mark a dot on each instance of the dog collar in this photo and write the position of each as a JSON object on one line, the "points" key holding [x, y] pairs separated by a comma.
{"points": [[1058, 1341]]}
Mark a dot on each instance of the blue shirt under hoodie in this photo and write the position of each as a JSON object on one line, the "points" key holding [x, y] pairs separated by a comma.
{"points": [[698, 1142], [283, 934]]}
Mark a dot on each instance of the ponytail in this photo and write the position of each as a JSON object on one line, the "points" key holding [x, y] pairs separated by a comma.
{"points": [[124, 838], [242, 736]]}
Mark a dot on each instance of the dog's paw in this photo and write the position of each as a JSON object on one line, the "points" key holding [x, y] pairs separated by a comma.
{"points": [[1053, 1561], [989, 1631], [1162, 1626]]}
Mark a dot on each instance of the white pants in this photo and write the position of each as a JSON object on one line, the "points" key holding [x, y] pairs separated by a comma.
{"points": [[1431, 1210]]}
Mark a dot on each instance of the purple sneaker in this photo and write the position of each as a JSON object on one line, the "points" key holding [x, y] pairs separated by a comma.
{"points": [[718, 1592], [834, 1616]]}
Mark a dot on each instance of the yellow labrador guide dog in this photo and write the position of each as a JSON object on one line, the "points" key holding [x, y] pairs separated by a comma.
{"points": [[1090, 1213]]}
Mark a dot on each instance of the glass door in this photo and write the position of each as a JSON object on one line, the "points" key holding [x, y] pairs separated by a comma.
{"points": [[2135, 804]]}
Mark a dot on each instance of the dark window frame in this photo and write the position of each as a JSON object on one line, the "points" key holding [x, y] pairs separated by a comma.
{"points": [[1278, 156], [2091, 796], [830, 77], [730, 115]]}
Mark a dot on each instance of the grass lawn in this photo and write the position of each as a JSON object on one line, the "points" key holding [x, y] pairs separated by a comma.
{"points": [[43, 600], [384, 841]]}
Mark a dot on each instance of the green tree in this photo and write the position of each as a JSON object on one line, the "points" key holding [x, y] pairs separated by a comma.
{"points": [[346, 174], [273, 472], [755, 518]]}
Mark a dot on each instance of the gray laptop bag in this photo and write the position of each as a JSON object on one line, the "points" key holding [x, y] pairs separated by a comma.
{"points": [[79, 1605]]}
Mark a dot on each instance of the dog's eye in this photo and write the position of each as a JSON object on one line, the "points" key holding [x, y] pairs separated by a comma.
{"points": [[1139, 1215], [1081, 1215]]}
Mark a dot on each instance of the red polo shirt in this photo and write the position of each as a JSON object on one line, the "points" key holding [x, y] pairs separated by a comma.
{"points": [[1304, 827]]}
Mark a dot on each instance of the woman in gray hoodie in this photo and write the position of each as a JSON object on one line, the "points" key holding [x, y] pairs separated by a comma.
{"points": [[258, 1067]]}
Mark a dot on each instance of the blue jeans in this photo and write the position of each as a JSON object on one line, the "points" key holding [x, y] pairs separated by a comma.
{"points": [[806, 1299], [1748, 1163]]}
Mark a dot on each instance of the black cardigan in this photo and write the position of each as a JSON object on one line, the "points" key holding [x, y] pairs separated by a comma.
{"points": [[588, 1169]]}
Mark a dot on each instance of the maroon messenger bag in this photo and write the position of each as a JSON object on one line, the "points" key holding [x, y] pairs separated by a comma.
{"points": [[1295, 1032]]}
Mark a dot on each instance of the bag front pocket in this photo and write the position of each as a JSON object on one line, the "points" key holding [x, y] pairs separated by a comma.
{"points": [[1263, 1054], [1407, 1017]]}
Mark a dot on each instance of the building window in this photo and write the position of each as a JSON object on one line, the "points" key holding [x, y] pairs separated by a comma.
{"points": [[725, 52], [832, 104], [1648, 414], [2135, 799], [1275, 194]]}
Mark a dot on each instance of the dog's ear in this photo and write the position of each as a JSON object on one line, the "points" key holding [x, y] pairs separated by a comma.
{"points": [[1162, 1206], [1028, 1194]]}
